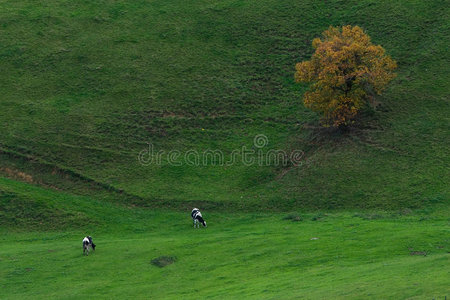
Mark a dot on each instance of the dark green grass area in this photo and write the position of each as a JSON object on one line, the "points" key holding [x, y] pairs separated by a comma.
{"points": [[86, 85], [322, 255]]}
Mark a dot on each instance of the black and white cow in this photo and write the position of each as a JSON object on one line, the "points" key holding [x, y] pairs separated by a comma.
{"points": [[197, 218], [87, 245]]}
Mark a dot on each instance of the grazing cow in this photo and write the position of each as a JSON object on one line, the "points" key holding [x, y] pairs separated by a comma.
{"points": [[197, 217], [87, 245]]}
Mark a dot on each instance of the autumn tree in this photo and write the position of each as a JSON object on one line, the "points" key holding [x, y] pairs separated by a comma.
{"points": [[346, 72]]}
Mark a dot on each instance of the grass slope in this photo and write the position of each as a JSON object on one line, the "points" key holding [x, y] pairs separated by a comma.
{"points": [[374, 255], [85, 85]]}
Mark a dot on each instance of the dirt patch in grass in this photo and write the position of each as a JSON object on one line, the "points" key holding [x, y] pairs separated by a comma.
{"points": [[418, 253], [318, 217], [293, 218], [16, 174], [406, 212], [369, 216], [163, 261]]}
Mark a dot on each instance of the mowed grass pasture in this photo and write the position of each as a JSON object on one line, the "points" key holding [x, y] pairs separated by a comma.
{"points": [[253, 256], [310, 255], [313, 255]]}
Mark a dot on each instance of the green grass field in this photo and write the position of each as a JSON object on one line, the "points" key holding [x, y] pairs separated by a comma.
{"points": [[87, 85], [377, 255], [252, 256]]}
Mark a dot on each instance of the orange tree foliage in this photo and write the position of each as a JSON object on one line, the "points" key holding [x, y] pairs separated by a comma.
{"points": [[346, 71]]}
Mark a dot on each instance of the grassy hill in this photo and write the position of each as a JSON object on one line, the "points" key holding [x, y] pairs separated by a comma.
{"points": [[86, 85]]}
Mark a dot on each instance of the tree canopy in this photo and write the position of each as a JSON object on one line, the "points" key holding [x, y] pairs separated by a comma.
{"points": [[346, 71]]}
